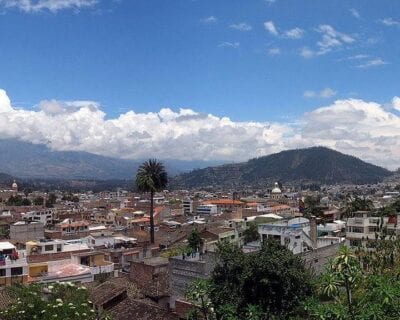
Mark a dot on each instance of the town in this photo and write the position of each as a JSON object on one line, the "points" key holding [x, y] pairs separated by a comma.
{"points": [[102, 240]]}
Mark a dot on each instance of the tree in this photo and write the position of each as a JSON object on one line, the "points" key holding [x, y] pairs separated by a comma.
{"points": [[194, 240], [38, 201], [251, 233], [151, 177], [273, 280], [312, 206], [62, 301]]}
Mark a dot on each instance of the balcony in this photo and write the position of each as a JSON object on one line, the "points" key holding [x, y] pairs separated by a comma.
{"points": [[107, 267]]}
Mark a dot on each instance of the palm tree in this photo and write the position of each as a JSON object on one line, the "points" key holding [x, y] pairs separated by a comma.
{"points": [[151, 177]]}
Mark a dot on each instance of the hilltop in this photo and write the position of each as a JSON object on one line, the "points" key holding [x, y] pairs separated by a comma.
{"points": [[310, 165]]}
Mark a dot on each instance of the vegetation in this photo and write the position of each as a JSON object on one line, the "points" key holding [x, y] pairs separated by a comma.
{"points": [[151, 177], [252, 286], [312, 206], [251, 233], [194, 241], [62, 301], [307, 166], [18, 201]]}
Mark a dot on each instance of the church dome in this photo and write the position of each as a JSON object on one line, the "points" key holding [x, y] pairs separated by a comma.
{"points": [[14, 186], [276, 189]]}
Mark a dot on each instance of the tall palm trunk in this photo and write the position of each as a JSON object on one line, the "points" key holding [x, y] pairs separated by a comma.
{"points": [[152, 217]]}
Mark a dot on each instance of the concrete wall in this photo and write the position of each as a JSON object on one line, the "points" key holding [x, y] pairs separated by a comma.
{"points": [[184, 272], [318, 258], [22, 233]]}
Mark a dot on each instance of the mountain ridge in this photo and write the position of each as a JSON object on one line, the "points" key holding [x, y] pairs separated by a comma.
{"points": [[32, 161], [311, 165]]}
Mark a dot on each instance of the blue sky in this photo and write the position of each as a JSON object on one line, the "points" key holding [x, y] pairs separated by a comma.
{"points": [[259, 61], [148, 54]]}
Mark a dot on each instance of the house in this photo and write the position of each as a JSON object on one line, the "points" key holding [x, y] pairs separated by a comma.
{"points": [[23, 231], [298, 234], [13, 265], [362, 228]]}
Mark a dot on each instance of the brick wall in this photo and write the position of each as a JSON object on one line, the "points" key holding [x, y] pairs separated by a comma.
{"points": [[141, 274], [35, 258], [318, 258], [182, 308]]}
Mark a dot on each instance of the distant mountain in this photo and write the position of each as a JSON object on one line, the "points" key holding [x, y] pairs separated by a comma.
{"points": [[27, 160], [5, 179], [311, 165]]}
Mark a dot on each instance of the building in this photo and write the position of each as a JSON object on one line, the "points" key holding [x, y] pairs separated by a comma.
{"points": [[24, 231], [298, 235], [363, 227], [45, 216], [189, 206], [13, 265], [207, 209]]}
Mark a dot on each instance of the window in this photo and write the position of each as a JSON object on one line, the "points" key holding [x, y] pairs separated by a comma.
{"points": [[372, 229], [358, 230], [16, 271], [59, 248], [2, 272], [49, 247]]}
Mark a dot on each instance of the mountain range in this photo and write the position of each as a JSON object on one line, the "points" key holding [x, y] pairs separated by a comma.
{"points": [[311, 165], [27, 160]]}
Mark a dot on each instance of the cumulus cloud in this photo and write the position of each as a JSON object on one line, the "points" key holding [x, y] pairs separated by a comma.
{"points": [[241, 26], [227, 44], [364, 129], [390, 22], [355, 13], [295, 33], [274, 51], [354, 126], [30, 6], [324, 93], [396, 103], [331, 39], [270, 27], [306, 53], [372, 63], [209, 20]]}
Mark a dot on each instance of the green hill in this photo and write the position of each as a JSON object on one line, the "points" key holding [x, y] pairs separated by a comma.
{"points": [[311, 165]]}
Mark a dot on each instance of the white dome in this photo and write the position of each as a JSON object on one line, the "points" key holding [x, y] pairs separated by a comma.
{"points": [[276, 189], [14, 185]]}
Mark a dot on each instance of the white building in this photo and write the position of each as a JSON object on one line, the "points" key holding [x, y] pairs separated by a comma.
{"points": [[298, 234], [362, 229], [13, 265], [45, 216], [208, 209]]}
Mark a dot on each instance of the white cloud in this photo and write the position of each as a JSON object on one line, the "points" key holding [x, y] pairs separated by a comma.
{"points": [[355, 13], [358, 57], [372, 63], [331, 39], [270, 1], [31, 6], [364, 129], [241, 26], [270, 27], [210, 19], [295, 33], [357, 127], [307, 53], [228, 44], [390, 22], [396, 103], [274, 51], [324, 93]]}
